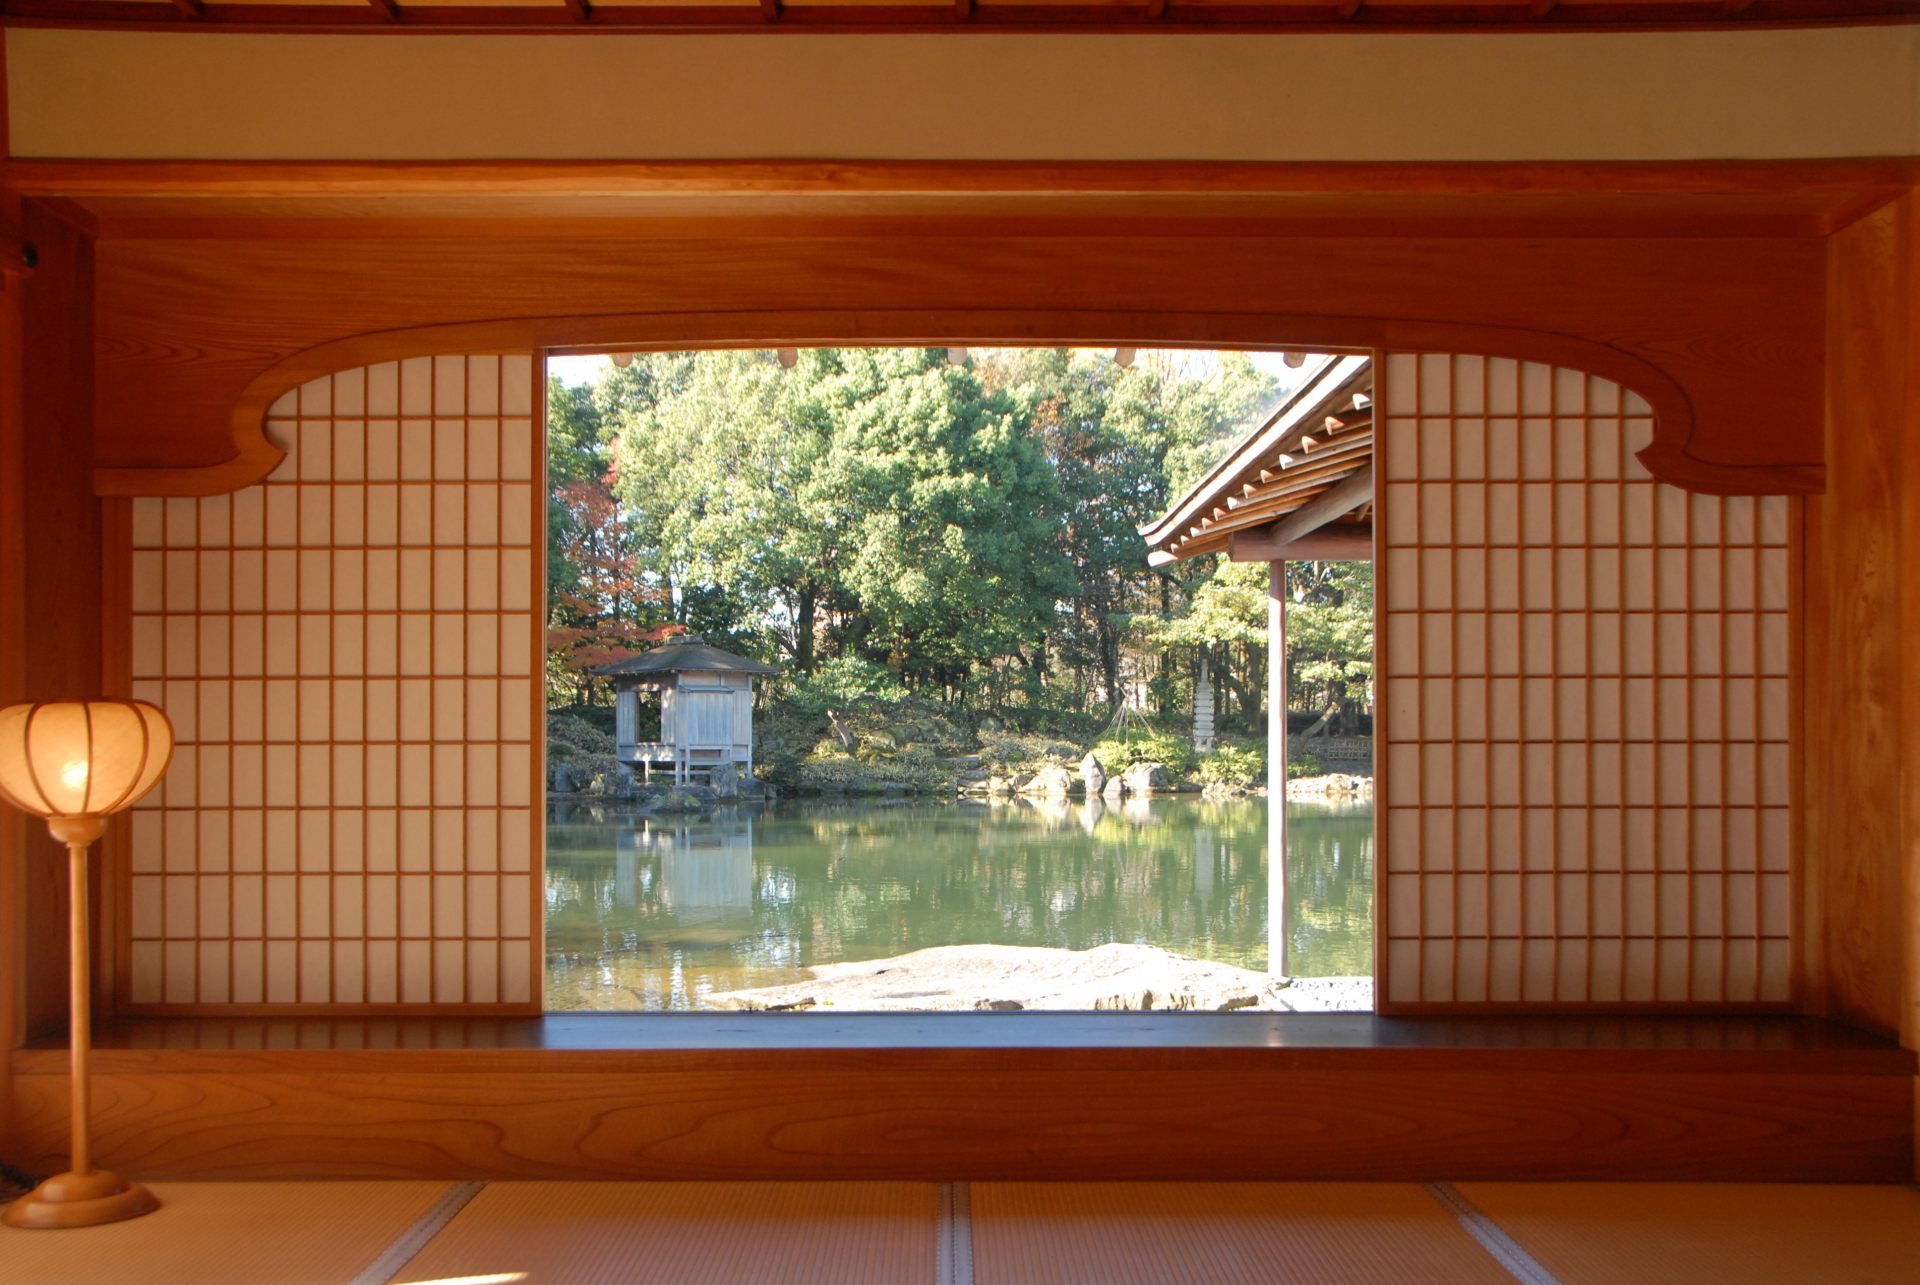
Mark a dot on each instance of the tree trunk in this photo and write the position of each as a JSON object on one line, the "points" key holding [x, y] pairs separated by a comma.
{"points": [[803, 631]]}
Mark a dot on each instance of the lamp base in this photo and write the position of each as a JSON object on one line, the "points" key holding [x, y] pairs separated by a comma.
{"points": [[80, 1200]]}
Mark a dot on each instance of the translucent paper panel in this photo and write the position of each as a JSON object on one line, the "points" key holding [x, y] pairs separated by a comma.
{"points": [[1585, 702], [345, 651]]}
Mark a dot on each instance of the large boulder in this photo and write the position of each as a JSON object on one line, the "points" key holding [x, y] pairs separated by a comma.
{"points": [[1146, 778], [1115, 787], [1093, 774], [1120, 975], [1052, 781], [724, 780]]}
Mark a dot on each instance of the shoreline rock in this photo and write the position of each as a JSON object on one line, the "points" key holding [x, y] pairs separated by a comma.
{"points": [[1116, 976]]}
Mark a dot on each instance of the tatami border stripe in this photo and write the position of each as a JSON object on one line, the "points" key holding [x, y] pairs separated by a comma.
{"points": [[955, 1265], [410, 1242], [1505, 1250]]}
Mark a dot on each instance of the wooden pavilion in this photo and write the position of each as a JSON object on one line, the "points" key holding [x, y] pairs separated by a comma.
{"points": [[706, 707], [1637, 287]]}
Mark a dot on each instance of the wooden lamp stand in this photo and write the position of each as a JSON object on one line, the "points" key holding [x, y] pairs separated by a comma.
{"points": [[73, 763], [83, 1196]]}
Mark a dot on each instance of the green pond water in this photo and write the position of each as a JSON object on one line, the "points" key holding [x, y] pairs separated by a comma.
{"points": [[654, 912]]}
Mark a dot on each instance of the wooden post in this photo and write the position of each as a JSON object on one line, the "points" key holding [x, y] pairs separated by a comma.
{"points": [[1277, 769]]}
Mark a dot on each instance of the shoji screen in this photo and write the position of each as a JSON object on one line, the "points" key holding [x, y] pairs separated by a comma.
{"points": [[347, 651], [1584, 749]]}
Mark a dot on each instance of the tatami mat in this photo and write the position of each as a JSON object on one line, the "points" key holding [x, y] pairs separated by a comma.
{"points": [[1219, 1234], [561, 1233], [613, 1233], [1703, 1233], [227, 1233]]}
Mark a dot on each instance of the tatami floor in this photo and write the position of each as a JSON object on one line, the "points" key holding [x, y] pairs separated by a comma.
{"points": [[370, 1233]]}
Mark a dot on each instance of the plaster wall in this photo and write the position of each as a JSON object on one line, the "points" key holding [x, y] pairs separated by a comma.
{"points": [[1619, 96]]}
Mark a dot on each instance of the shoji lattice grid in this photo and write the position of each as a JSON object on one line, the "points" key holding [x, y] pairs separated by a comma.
{"points": [[347, 652], [1584, 751]]}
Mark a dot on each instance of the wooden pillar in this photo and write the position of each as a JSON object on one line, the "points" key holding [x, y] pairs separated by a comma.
{"points": [[1277, 769]]}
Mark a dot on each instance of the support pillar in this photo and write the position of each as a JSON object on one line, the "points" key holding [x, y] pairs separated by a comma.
{"points": [[1277, 769]]}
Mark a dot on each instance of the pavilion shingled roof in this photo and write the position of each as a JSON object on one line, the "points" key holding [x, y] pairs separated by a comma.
{"points": [[686, 653], [1306, 467]]}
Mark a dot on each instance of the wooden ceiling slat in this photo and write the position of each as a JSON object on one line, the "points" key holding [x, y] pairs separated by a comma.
{"points": [[1037, 16]]}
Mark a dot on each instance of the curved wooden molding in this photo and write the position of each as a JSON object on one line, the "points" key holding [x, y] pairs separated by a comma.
{"points": [[255, 455]]}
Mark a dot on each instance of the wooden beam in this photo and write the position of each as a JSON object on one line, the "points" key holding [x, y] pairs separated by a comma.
{"points": [[17, 256], [1342, 543], [1344, 497], [1156, 10], [385, 8], [191, 8], [1756, 1100], [963, 10], [770, 10]]}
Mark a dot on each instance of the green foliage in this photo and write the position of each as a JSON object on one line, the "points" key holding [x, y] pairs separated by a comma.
{"points": [[1117, 751], [1242, 765], [1330, 629], [574, 740], [1004, 752], [845, 683], [926, 546], [1303, 765], [839, 773]]}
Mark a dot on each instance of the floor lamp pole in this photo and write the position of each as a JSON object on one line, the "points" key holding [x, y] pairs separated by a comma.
{"points": [[83, 1196], [80, 1006]]}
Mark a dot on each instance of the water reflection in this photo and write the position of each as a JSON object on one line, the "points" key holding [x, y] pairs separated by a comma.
{"points": [[650, 912]]}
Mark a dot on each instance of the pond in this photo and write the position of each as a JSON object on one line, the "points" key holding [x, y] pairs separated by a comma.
{"points": [[652, 912]]}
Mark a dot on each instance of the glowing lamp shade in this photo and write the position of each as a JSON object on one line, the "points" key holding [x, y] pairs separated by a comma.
{"points": [[81, 758]]}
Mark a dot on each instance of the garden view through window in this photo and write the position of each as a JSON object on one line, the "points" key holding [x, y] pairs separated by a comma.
{"points": [[898, 679]]}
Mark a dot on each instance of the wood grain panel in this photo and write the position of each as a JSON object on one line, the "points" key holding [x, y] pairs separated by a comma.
{"points": [[1024, 17], [1907, 287], [1718, 332], [59, 647], [1857, 655], [536, 1115]]}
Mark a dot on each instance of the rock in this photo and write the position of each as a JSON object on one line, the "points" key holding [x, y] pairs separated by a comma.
{"points": [[1145, 778], [1220, 790], [1114, 788], [1019, 781], [1333, 787], [724, 780], [1093, 774], [1053, 782], [563, 779], [1120, 975]]}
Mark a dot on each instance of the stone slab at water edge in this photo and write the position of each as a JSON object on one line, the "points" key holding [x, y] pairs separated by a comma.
{"points": [[1119, 975]]}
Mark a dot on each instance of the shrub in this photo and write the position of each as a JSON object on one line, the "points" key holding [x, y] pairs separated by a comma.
{"points": [[1002, 751], [1242, 765], [838, 773], [577, 743], [1116, 752], [1303, 765]]}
